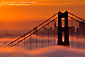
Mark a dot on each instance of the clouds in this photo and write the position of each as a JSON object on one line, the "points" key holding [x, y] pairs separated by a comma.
{"points": [[52, 51]]}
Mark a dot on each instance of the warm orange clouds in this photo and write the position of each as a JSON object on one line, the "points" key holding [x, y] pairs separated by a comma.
{"points": [[6, 39], [48, 51]]}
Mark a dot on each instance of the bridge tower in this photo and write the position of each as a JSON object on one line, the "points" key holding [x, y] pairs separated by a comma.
{"points": [[62, 29]]}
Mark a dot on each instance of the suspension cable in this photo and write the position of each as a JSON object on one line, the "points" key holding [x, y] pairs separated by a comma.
{"points": [[74, 19], [76, 16], [34, 32], [31, 30]]}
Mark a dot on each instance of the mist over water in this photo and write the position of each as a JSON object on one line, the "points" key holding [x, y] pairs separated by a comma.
{"points": [[75, 42], [76, 48]]}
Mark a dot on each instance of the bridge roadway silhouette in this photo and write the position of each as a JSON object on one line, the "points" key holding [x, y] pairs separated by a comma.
{"points": [[61, 29]]}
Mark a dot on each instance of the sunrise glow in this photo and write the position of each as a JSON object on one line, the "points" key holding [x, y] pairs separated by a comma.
{"points": [[42, 28]]}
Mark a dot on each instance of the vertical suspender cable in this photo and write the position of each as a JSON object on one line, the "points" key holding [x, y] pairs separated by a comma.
{"points": [[30, 43], [42, 38], [24, 43], [54, 31], [36, 37], [78, 35], [71, 32], [83, 35], [48, 34]]}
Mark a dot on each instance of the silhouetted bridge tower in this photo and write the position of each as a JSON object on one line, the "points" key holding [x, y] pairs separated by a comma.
{"points": [[39, 29], [62, 29]]}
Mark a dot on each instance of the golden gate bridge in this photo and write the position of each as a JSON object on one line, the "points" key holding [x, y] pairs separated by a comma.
{"points": [[57, 16]]}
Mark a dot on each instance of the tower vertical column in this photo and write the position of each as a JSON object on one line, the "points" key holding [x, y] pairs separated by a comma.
{"points": [[66, 29], [59, 28], [63, 29]]}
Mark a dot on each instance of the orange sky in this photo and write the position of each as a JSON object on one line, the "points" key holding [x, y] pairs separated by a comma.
{"points": [[15, 18], [41, 10]]}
